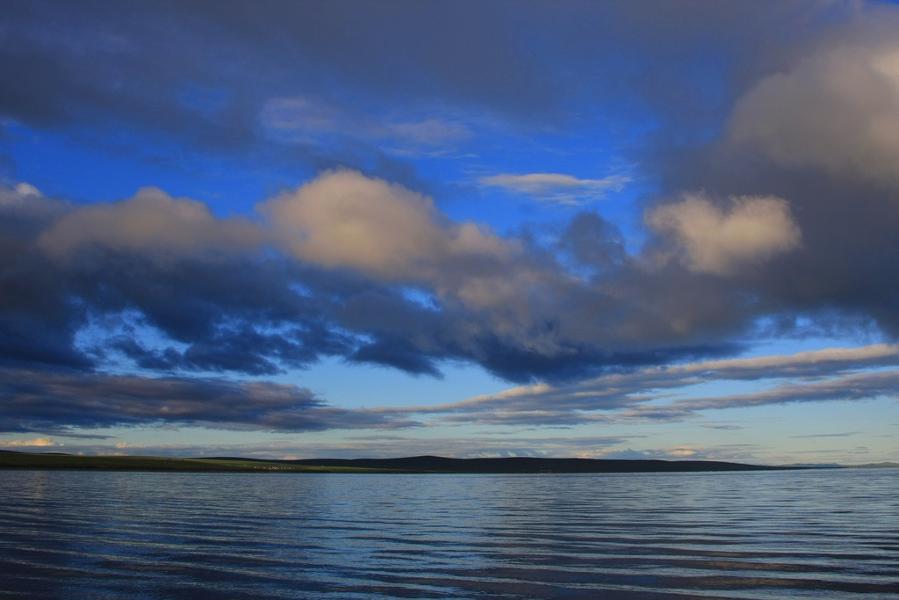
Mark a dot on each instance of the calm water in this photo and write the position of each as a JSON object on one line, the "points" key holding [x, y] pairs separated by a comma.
{"points": [[89, 535]]}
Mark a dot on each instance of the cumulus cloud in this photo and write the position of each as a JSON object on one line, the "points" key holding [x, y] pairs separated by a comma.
{"points": [[814, 126], [718, 240], [326, 270], [557, 188], [837, 109], [312, 289], [343, 219], [151, 222]]}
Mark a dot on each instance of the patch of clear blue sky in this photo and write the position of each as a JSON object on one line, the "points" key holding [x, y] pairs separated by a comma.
{"points": [[355, 385], [87, 166]]}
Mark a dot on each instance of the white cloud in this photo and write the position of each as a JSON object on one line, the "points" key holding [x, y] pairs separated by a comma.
{"points": [[43, 442], [150, 221], [714, 240], [343, 219], [556, 187], [26, 189], [26, 198]]}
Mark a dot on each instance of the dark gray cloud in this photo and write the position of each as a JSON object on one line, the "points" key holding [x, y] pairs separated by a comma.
{"points": [[54, 401], [817, 133], [203, 71], [594, 244]]}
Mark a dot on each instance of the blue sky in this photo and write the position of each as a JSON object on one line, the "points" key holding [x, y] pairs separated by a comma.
{"points": [[493, 228]]}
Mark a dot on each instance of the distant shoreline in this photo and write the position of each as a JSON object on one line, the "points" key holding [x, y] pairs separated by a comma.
{"points": [[411, 465]]}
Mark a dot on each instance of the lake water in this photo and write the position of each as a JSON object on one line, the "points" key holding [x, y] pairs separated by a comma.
{"points": [[786, 534]]}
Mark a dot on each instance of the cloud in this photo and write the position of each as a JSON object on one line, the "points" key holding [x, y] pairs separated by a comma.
{"points": [[521, 310], [41, 442], [852, 387], [801, 364], [313, 120], [343, 219], [163, 284], [26, 189], [151, 222], [652, 393], [836, 109], [719, 241], [826, 435], [726, 452], [300, 287], [593, 243], [47, 400], [428, 132], [325, 270], [556, 187], [811, 126], [190, 89]]}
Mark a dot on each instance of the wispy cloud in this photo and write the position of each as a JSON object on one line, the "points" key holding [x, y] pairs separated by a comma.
{"points": [[557, 188], [663, 393], [312, 120], [856, 386], [826, 435]]}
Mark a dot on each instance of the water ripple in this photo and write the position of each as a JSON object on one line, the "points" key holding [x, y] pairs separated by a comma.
{"points": [[148, 536]]}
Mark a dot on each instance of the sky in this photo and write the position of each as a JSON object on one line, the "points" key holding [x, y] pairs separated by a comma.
{"points": [[365, 229]]}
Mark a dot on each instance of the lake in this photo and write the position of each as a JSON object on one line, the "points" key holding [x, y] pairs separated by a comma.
{"points": [[776, 534]]}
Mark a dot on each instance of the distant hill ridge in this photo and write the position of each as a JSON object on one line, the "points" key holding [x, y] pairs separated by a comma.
{"points": [[522, 464], [412, 464]]}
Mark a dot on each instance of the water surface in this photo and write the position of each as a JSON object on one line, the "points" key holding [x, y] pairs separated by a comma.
{"points": [[96, 535]]}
